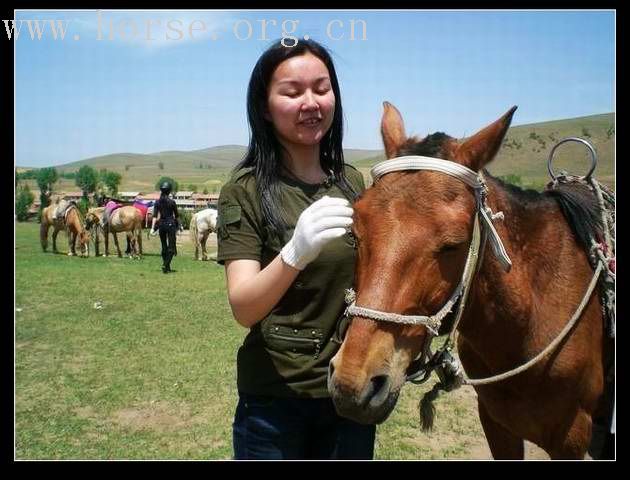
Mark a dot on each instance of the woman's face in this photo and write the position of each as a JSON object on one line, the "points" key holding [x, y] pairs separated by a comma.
{"points": [[301, 102]]}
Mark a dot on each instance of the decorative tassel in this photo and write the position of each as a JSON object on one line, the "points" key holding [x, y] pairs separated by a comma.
{"points": [[427, 410]]}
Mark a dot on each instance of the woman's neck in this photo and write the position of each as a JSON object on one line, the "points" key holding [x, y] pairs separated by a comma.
{"points": [[303, 163]]}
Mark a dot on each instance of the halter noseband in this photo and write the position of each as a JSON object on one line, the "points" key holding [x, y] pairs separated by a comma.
{"points": [[483, 218]]}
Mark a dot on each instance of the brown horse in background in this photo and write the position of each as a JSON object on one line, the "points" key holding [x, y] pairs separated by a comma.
{"points": [[71, 223], [413, 230], [126, 219]]}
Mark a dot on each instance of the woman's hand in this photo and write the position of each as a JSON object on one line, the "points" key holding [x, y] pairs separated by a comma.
{"points": [[322, 221]]}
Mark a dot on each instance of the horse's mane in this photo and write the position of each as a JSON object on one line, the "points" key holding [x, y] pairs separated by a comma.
{"points": [[71, 205], [578, 203], [581, 209]]}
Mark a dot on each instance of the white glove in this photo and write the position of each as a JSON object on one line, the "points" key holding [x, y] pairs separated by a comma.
{"points": [[322, 221]]}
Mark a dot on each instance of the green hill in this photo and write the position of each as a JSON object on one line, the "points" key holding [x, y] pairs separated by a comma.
{"points": [[524, 154], [207, 168]]}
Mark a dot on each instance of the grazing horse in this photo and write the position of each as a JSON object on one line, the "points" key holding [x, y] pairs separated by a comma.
{"points": [[93, 224], [124, 219], [71, 223], [414, 231], [202, 224]]}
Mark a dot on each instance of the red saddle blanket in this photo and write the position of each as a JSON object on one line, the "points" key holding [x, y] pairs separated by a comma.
{"points": [[142, 207]]}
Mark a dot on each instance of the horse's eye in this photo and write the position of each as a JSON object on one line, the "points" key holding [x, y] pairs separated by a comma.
{"points": [[449, 247]]}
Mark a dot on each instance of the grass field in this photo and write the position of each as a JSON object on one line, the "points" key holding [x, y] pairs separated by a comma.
{"points": [[151, 375]]}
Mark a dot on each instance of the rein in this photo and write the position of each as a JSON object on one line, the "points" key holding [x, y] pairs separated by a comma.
{"points": [[446, 366]]}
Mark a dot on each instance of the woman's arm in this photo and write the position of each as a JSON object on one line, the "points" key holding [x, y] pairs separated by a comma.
{"points": [[156, 218], [252, 292]]}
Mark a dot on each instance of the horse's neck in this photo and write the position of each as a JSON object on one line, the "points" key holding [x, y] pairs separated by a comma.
{"points": [[505, 301], [73, 219]]}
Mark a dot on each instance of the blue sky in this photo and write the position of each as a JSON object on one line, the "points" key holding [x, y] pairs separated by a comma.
{"points": [[451, 71]]}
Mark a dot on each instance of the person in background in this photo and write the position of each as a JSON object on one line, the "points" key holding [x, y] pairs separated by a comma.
{"points": [[165, 215]]}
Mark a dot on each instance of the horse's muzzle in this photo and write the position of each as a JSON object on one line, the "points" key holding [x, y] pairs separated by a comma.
{"points": [[367, 403]]}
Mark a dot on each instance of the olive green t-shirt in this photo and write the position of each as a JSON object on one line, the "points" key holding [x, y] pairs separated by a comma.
{"points": [[287, 353]]}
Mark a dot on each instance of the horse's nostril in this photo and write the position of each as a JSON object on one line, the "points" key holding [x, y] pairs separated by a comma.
{"points": [[379, 389], [378, 383]]}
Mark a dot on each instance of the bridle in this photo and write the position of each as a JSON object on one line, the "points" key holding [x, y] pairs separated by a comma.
{"points": [[483, 230]]}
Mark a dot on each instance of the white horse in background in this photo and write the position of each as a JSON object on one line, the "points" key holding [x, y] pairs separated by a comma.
{"points": [[202, 224]]}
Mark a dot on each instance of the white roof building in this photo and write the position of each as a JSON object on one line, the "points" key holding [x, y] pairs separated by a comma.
{"points": [[183, 194], [129, 194]]}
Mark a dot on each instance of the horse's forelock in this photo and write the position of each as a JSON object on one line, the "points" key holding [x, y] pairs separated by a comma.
{"points": [[437, 145]]}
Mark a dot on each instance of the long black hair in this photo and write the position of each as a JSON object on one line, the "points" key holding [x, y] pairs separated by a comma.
{"points": [[264, 152]]}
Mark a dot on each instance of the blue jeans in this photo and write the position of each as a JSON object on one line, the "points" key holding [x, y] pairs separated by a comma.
{"points": [[274, 428]]}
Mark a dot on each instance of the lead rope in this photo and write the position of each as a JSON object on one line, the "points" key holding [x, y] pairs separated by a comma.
{"points": [[551, 346], [604, 252]]}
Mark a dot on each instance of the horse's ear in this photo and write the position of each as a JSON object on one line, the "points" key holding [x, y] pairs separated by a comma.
{"points": [[477, 151], [392, 130]]}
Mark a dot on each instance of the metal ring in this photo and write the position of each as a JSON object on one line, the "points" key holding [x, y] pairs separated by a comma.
{"points": [[574, 139]]}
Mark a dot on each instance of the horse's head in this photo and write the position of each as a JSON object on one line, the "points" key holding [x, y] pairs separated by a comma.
{"points": [[91, 219], [413, 230]]}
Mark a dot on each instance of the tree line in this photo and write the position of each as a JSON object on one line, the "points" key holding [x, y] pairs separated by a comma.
{"points": [[88, 179]]}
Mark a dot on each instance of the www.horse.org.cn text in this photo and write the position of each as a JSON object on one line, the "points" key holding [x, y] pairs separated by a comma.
{"points": [[174, 30]]}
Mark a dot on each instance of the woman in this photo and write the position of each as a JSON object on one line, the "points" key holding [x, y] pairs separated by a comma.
{"points": [[284, 240], [166, 216]]}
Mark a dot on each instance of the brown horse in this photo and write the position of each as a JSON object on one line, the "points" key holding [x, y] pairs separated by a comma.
{"points": [[71, 223], [413, 230], [124, 219]]}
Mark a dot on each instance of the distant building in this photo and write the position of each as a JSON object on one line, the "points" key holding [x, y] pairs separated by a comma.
{"points": [[149, 196], [73, 196], [185, 200], [188, 204], [183, 195], [128, 196], [204, 199]]}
